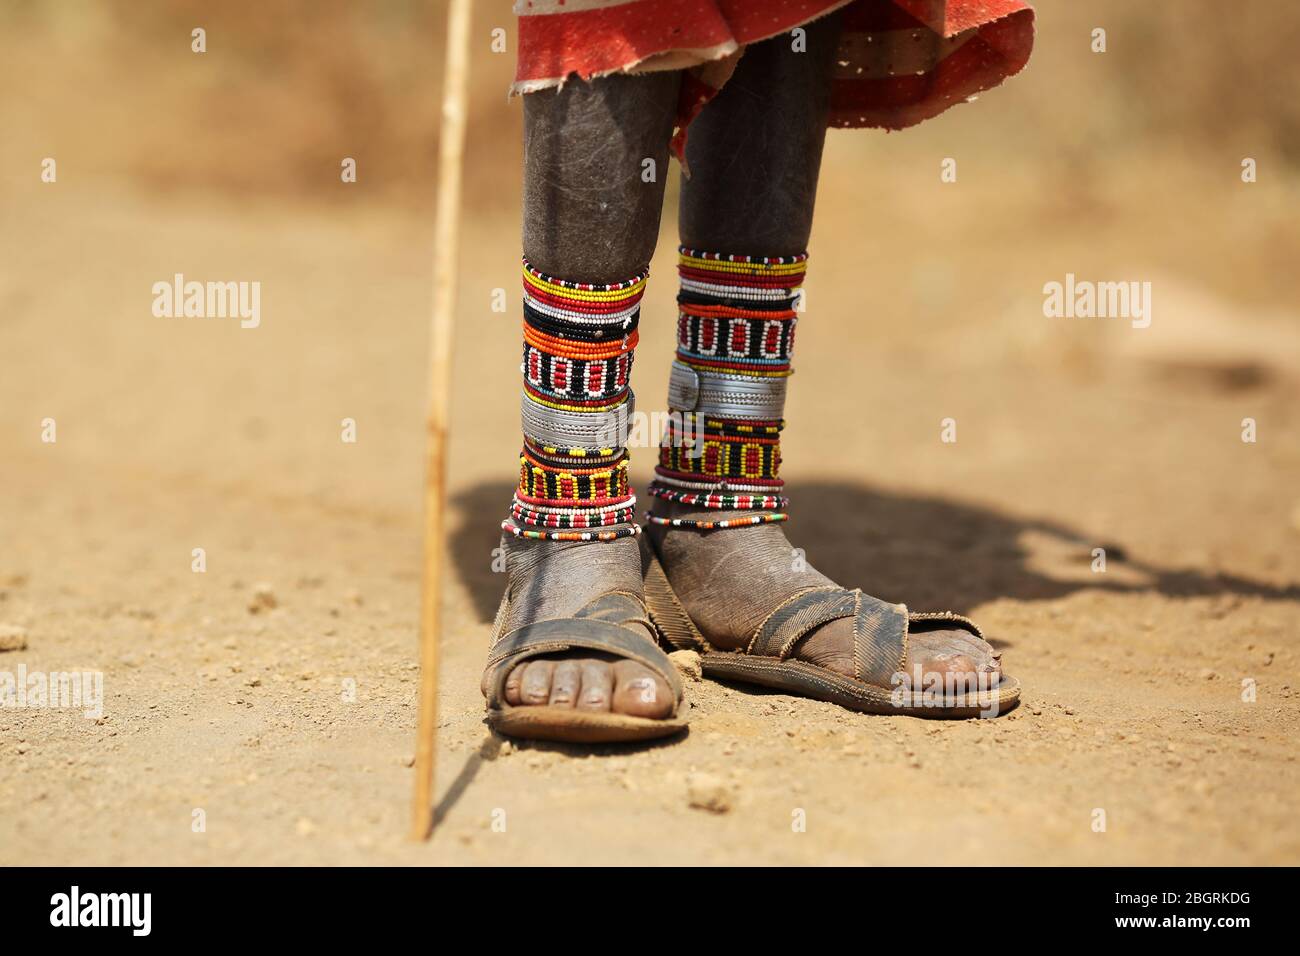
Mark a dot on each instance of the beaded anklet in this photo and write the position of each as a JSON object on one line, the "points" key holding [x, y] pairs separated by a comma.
{"points": [[560, 517], [668, 479], [579, 340], [735, 335], [765, 518], [630, 531], [721, 502]]}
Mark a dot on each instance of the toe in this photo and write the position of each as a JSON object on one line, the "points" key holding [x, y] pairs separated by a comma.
{"points": [[597, 686], [566, 681], [951, 654], [639, 692], [947, 663], [513, 681], [535, 686], [983, 656]]}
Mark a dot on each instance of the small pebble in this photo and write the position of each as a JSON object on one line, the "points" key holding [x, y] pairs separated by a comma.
{"points": [[12, 637], [704, 791], [263, 599], [687, 664]]}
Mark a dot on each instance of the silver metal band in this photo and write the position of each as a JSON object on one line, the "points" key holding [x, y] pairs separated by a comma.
{"points": [[590, 431], [728, 396]]}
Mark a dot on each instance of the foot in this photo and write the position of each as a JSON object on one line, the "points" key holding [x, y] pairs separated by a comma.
{"points": [[730, 580], [555, 579]]}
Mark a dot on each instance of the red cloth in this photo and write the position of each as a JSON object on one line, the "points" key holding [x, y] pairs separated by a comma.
{"points": [[899, 61]]}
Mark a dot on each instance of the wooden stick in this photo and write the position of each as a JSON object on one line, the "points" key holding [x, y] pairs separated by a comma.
{"points": [[451, 146]]}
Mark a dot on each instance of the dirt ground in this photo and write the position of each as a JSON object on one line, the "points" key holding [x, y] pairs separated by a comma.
{"points": [[275, 691]]}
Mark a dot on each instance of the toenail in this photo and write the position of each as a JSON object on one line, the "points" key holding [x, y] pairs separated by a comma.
{"points": [[647, 688]]}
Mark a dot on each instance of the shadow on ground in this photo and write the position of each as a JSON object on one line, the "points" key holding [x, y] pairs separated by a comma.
{"points": [[929, 553]]}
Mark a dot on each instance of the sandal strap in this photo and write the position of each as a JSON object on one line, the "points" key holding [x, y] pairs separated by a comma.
{"points": [[879, 641], [618, 607], [879, 630], [795, 617], [597, 627]]}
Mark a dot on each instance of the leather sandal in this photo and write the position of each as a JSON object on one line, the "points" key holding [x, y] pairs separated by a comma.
{"points": [[601, 625], [880, 684]]}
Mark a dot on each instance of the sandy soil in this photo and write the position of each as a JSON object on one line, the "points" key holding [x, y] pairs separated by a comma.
{"points": [[175, 434], [274, 692]]}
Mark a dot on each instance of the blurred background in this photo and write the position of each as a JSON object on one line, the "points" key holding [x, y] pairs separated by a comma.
{"points": [[1121, 165], [285, 84], [925, 303]]}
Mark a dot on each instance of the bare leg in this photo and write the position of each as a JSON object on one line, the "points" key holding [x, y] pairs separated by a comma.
{"points": [[588, 216], [756, 149], [754, 154]]}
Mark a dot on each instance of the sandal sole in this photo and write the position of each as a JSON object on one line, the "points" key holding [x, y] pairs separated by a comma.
{"points": [[580, 727]]}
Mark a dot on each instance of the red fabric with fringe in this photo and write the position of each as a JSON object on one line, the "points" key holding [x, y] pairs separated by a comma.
{"points": [[899, 62]]}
